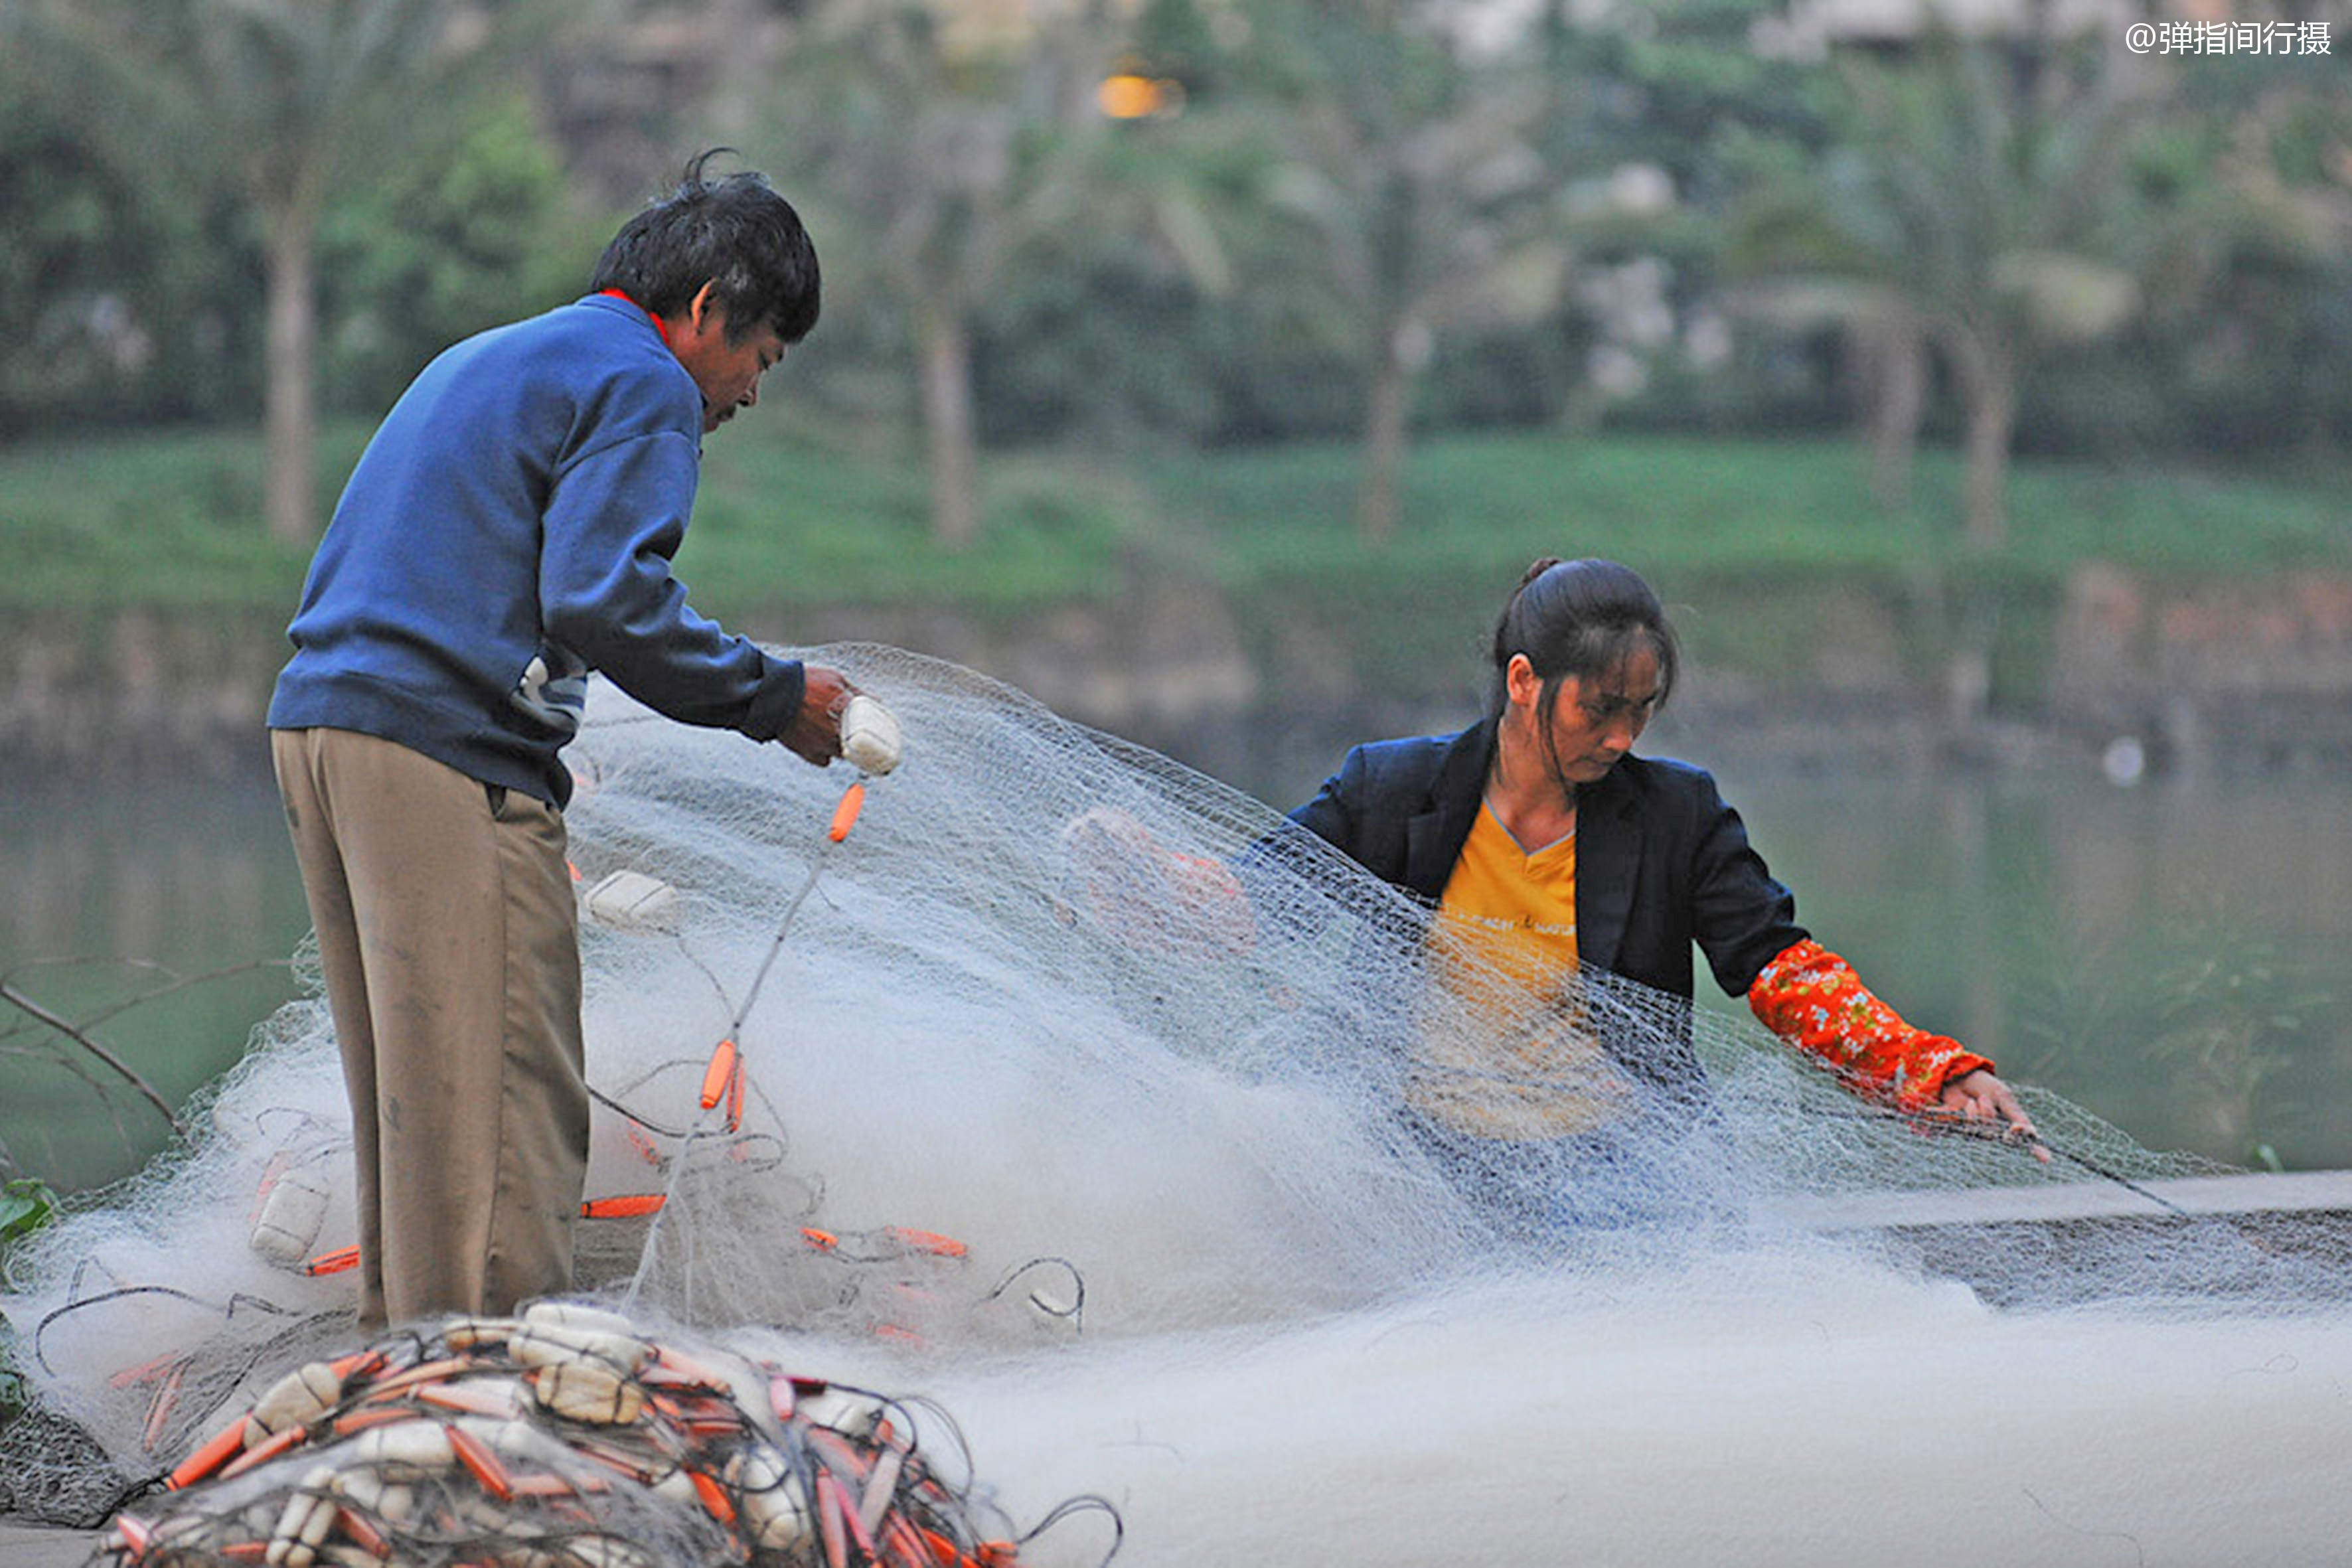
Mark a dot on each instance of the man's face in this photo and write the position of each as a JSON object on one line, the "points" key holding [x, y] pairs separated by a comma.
{"points": [[727, 371]]}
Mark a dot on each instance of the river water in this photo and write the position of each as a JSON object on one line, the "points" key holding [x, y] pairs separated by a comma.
{"points": [[2166, 956], [2169, 955]]}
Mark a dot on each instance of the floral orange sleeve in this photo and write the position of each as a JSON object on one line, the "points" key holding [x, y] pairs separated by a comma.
{"points": [[1809, 997]]}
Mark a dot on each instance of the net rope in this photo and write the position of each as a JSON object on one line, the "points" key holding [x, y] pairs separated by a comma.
{"points": [[1033, 1113]]}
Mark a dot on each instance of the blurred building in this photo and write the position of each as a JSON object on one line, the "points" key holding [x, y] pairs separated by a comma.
{"points": [[615, 90], [618, 90]]}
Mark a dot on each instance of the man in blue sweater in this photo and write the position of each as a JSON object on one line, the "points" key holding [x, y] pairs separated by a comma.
{"points": [[509, 530]]}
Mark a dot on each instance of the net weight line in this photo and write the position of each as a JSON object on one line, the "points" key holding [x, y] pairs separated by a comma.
{"points": [[1933, 1121], [722, 1080]]}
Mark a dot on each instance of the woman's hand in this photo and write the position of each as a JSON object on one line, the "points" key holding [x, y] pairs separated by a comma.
{"points": [[1978, 1097], [1155, 898]]}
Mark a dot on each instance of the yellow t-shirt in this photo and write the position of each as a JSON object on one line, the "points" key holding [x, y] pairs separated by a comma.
{"points": [[1504, 1053]]}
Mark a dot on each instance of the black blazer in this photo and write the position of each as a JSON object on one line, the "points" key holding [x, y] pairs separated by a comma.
{"points": [[1661, 861]]}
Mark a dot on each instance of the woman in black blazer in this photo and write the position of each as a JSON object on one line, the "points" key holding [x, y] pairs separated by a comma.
{"points": [[1553, 862], [1544, 843]]}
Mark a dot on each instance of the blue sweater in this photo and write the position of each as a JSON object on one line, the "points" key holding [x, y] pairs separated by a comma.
{"points": [[510, 528]]}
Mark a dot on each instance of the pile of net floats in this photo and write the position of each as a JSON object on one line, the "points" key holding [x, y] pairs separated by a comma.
{"points": [[563, 1438]]}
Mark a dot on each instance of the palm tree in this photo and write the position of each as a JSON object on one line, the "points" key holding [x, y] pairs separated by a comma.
{"points": [[1416, 177], [943, 145], [275, 101], [1975, 209]]}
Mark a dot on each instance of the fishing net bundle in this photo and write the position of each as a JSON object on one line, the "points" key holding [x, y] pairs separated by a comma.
{"points": [[1064, 1084], [563, 1438]]}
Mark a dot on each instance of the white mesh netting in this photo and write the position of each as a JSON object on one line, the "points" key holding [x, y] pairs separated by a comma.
{"points": [[1036, 1119]]}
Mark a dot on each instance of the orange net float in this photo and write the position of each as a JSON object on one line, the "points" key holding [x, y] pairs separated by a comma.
{"points": [[359, 1363], [928, 1241], [210, 1456], [261, 1453], [166, 1400], [726, 1062], [713, 1497], [498, 1402], [148, 1371], [353, 1422], [845, 815], [336, 1262], [482, 1464], [363, 1533], [135, 1534]]}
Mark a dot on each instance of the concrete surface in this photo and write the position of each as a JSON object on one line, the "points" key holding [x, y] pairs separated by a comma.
{"points": [[37, 1546]]}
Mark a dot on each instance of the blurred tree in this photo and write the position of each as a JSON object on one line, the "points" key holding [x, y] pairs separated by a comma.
{"points": [[1157, 294], [475, 228], [1413, 174], [277, 101], [1650, 115], [92, 267], [1118, 320], [1977, 206], [939, 140], [2254, 315]]}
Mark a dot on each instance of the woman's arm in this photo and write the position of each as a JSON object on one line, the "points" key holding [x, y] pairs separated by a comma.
{"points": [[1812, 998]]}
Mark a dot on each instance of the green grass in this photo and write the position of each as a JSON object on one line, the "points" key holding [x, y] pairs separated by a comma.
{"points": [[1672, 504], [1741, 538], [173, 522], [1748, 534], [780, 523]]}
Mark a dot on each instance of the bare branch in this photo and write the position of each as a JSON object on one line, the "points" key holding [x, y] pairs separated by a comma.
{"points": [[73, 1032], [175, 981]]}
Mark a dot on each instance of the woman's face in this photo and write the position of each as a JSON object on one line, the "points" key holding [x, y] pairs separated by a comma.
{"points": [[1594, 720]]}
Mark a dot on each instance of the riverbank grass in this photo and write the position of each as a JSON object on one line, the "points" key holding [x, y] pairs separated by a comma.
{"points": [[170, 520]]}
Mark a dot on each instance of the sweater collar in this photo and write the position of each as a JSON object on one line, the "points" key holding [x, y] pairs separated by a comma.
{"points": [[660, 325]]}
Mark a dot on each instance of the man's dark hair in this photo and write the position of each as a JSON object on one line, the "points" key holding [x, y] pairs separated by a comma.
{"points": [[734, 233]]}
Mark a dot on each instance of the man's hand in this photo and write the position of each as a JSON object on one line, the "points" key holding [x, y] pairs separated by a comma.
{"points": [[814, 734]]}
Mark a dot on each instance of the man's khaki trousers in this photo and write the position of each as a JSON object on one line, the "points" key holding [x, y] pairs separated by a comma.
{"points": [[450, 944]]}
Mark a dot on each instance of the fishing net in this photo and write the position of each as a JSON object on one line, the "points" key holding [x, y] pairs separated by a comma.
{"points": [[564, 1438], [1069, 1088]]}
